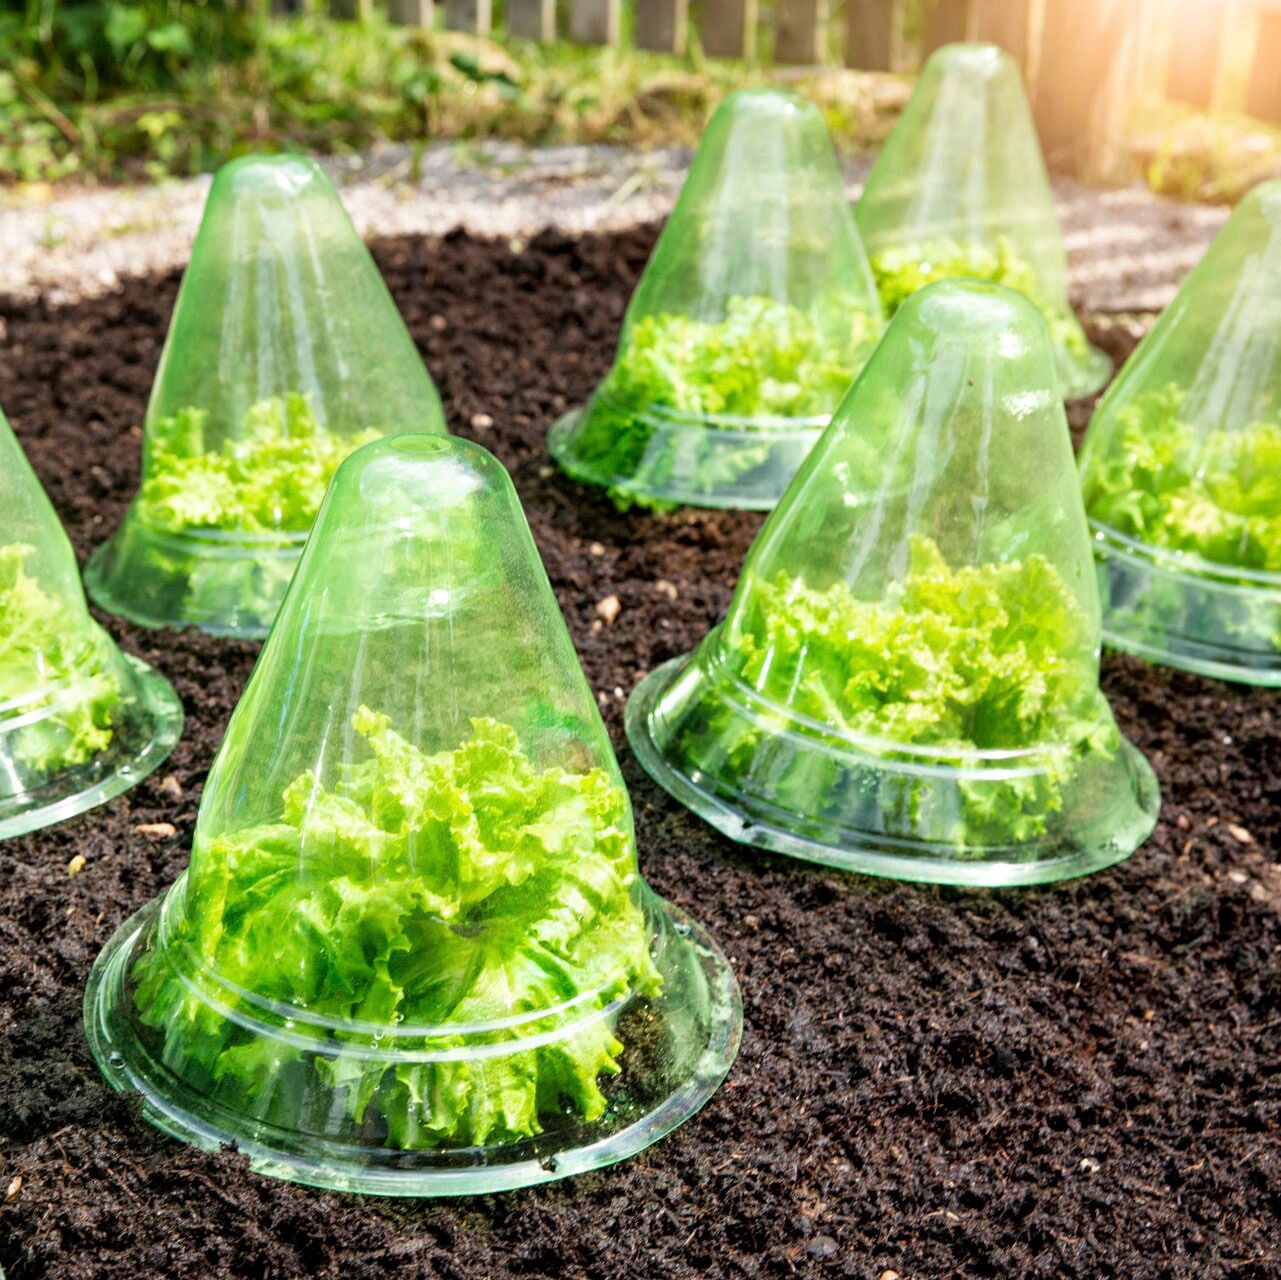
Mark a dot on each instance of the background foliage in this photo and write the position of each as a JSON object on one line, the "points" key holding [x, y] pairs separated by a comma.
{"points": [[111, 90]]}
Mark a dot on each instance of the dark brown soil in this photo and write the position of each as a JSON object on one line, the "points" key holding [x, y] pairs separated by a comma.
{"points": [[1077, 1081]]}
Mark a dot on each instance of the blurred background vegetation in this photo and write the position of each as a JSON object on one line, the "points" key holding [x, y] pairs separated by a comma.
{"points": [[111, 91], [100, 90]]}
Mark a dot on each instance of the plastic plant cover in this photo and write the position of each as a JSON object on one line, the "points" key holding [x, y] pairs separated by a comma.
{"points": [[960, 190], [1181, 466], [756, 311], [906, 683], [413, 954], [285, 353], [80, 722]]}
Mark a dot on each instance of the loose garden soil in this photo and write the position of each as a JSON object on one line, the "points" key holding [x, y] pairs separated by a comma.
{"points": [[1075, 1081]]}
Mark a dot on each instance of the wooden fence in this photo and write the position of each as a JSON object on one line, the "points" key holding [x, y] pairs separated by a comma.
{"points": [[1085, 60]]}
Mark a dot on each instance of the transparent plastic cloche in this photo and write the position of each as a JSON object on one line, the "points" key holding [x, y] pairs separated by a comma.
{"points": [[756, 311], [907, 681], [413, 954], [1181, 466], [960, 191], [80, 722], [285, 353]]}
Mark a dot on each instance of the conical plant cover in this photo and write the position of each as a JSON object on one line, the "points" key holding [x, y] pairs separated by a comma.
{"points": [[413, 954], [285, 353], [1181, 466], [906, 683], [960, 190], [80, 722], [756, 311]]}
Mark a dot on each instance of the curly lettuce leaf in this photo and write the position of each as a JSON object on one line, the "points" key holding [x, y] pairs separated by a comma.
{"points": [[270, 479], [1215, 494], [990, 657], [766, 359], [50, 658], [444, 891]]}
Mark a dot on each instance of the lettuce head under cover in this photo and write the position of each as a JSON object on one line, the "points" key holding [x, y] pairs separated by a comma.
{"points": [[1181, 466], [959, 190], [756, 311], [285, 353], [413, 954], [80, 722], [907, 681]]}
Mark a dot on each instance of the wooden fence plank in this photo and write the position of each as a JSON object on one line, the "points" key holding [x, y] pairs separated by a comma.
{"points": [[1197, 31], [944, 22], [532, 19], [595, 21], [661, 25], [411, 13], [1085, 49], [476, 16], [727, 28], [1263, 92], [1006, 23], [799, 29], [872, 29]]}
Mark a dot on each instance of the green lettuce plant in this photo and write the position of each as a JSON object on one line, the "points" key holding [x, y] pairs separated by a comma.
{"points": [[268, 479], [481, 886], [755, 313], [264, 484], [964, 661], [413, 949], [285, 352], [960, 191], [1214, 494], [765, 360], [48, 660]]}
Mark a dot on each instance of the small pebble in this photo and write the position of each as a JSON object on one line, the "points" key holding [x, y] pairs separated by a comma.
{"points": [[15, 1185], [1239, 834], [481, 421], [77, 864], [439, 323], [888, 1274], [666, 588], [822, 1247], [156, 830], [596, 549], [609, 608], [171, 787]]}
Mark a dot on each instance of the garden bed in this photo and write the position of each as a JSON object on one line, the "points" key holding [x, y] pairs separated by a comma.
{"points": [[1076, 1081]]}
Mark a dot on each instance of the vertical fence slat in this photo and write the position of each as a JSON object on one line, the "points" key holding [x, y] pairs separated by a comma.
{"points": [[944, 22], [411, 13], [661, 25], [1083, 52], [727, 28], [595, 21], [1194, 53], [532, 19], [872, 30], [799, 28], [1263, 90], [1006, 23], [476, 16]]}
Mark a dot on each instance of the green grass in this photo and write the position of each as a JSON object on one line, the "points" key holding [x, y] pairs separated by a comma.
{"points": [[113, 91]]}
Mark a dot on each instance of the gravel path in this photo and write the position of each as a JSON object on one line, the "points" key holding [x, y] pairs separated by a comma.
{"points": [[1128, 248]]}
